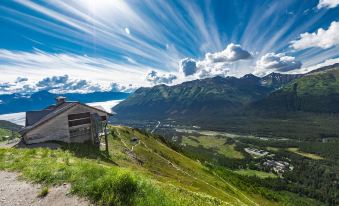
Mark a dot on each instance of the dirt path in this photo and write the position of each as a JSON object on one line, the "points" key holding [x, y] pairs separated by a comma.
{"points": [[17, 192]]}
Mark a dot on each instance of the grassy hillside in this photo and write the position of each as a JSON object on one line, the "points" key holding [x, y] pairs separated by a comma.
{"points": [[315, 92], [9, 125], [146, 173], [6, 134], [6, 129], [203, 97], [312, 165], [218, 145]]}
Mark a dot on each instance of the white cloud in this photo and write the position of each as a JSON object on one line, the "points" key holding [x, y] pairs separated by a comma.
{"points": [[208, 69], [279, 62], [21, 79], [127, 31], [188, 66], [212, 72], [60, 84], [63, 84], [155, 78], [321, 38], [38, 65], [5, 86], [233, 52], [327, 4], [214, 64]]}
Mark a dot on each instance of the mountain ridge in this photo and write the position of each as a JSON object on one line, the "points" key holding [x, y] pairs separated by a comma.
{"points": [[210, 95], [317, 91], [11, 103]]}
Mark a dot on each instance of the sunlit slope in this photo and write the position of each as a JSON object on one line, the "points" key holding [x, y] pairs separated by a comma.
{"points": [[142, 172], [152, 157], [315, 92]]}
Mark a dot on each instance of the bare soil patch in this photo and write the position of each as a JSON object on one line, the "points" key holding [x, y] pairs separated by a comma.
{"points": [[14, 191]]}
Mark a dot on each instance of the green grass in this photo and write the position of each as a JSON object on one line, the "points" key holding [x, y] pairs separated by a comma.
{"points": [[260, 174], [273, 149], [99, 181], [225, 188], [217, 143], [44, 192], [169, 166], [305, 154], [151, 174], [6, 134], [254, 185], [321, 83]]}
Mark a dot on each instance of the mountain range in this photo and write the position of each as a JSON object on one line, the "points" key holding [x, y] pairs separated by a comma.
{"points": [[317, 91], [201, 97], [282, 105], [11, 103]]}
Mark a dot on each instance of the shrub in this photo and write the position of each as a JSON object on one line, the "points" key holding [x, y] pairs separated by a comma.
{"points": [[43, 193]]}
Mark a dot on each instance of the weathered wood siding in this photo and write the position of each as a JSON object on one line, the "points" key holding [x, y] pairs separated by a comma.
{"points": [[57, 128]]}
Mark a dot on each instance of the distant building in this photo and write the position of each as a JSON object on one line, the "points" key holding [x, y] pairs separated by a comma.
{"points": [[65, 121], [256, 152], [278, 166]]}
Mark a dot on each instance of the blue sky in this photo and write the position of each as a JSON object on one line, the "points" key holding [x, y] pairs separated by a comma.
{"points": [[115, 44]]}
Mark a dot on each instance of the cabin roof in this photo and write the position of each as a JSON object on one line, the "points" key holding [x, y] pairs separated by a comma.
{"points": [[36, 118], [33, 117]]}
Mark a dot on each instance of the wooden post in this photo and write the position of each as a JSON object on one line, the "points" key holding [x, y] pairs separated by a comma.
{"points": [[106, 139]]}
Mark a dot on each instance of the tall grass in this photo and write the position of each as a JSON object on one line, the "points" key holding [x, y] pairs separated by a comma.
{"points": [[103, 184]]}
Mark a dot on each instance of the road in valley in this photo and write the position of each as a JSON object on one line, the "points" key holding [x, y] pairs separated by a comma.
{"points": [[156, 127]]}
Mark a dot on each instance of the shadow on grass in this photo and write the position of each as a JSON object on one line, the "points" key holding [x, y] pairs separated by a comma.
{"points": [[87, 150], [80, 150]]}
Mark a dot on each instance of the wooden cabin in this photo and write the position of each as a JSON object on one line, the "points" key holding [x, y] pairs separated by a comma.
{"points": [[65, 121]]}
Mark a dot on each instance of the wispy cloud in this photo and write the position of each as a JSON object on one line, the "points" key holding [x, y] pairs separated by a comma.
{"points": [[122, 40], [38, 64]]}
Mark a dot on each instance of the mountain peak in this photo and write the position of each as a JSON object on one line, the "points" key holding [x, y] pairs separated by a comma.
{"points": [[249, 76]]}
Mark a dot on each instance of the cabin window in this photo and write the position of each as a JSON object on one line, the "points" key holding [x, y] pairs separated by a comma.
{"points": [[79, 122], [79, 116], [103, 118], [79, 131], [79, 119]]}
